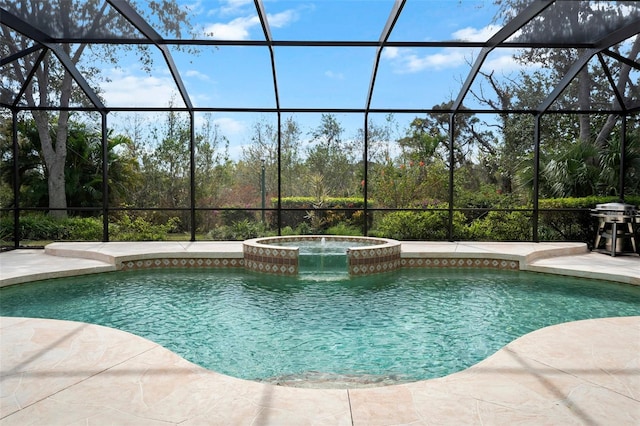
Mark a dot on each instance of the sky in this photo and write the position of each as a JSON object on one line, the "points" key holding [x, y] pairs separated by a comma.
{"points": [[312, 77]]}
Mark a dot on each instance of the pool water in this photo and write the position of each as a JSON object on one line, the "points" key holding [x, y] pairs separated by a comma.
{"points": [[408, 325]]}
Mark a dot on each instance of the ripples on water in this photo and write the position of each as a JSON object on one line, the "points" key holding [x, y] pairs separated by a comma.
{"points": [[402, 326]]}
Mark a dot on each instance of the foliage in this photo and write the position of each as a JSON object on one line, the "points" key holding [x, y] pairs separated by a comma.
{"points": [[501, 226], [329, 157], [343, 229], [239, 231], [409, 184], [52, 83], [321, 214], [417, 225], [572, 220], [40, 227], [139, 229], [83, 165]]}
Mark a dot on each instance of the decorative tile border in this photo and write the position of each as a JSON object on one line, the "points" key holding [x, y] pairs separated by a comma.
{"points": [[172, 262], [270, 259], [280, 260], [374, 260], [376, 256], [444, 262]]}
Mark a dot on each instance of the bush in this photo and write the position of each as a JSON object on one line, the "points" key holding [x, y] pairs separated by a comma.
{"points": [[312, 211], [239, 231], [84, 228], [138, 229], [501, 226], [411, 225], [575, 222], [344, 229], [230, 217], [40, 227]]}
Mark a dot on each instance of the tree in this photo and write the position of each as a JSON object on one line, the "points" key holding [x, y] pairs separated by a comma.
{"points": [[263, 150], [290, 161], [167, 165], [567, 139], [581, 20], [212, 161], [52, 84], [83, 166], [328, 158]]}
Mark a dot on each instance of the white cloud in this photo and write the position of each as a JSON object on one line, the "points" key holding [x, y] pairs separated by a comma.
{"points": [[334, 75], [282, 19], [448, 58], [128, 90], [407, 61], [239, 28], [197, 74], [390, 52], [475, 34], [504, 62], [230, 127], [230, 7]]}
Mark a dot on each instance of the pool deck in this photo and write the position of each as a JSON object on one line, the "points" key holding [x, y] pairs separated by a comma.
{"points": [[59, 372]]}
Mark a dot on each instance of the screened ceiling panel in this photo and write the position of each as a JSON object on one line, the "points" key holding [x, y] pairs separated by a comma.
{"points": [[582, 94], [578, 21], [327, 19], [81, 19], [420, 78], [445, 20], [323, 77], [132, 80], [209, 20], [494, 84], [227, 76], [14, 91], [430, 50]]}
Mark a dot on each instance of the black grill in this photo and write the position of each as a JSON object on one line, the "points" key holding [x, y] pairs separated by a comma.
{"points": [[617, 223]]}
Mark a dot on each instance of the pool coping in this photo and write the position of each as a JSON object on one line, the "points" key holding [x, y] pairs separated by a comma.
{"points": [[89, 257], [57, 372], [61, 372]]}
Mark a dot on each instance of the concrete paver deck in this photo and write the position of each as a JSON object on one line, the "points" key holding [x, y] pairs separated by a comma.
{"points": [[60, 372]]}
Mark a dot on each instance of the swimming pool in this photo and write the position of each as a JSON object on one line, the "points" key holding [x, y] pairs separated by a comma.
{"points": [[408, 325]]}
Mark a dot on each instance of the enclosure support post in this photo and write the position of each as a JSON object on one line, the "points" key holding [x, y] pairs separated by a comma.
{"points": [[365, 162], [105, 179], [192, 173], [279, 212], [536, 177], [623, 160], [263, 188], [452, 131], [16, 180]]}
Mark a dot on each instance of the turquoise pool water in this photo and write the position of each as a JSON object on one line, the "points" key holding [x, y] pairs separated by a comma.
{"points": [[403, 326]]}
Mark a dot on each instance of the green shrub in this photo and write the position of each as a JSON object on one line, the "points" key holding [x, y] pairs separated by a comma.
{"points": [[344, 229], [572, 220], [312, 210], [239, 231], [83, 228], [139, 229], [411, 225], [501, 226], [39, 227], [230, 217]]}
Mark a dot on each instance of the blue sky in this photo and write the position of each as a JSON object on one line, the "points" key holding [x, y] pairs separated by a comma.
{"points": [[308, 77]]}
